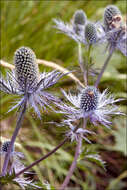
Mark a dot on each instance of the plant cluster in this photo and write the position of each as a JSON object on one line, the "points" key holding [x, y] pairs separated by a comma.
{"points": [[87, 104]]}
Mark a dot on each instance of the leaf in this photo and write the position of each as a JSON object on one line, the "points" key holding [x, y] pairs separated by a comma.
{"points": [[92, 156]]}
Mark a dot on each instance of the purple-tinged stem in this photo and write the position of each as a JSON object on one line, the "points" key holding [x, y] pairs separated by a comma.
{"points": [[42, 158], [73, 165], [103, 68], [81, 63], [18, 126]]}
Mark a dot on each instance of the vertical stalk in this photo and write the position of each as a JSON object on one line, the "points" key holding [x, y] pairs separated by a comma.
{"points": [[73, 165], [18, 126], [83, 69], [103, 68]]}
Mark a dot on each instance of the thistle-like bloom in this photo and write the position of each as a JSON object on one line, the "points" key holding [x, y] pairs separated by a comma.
{"points": [[89, 33], [26, 81], [15, 157], [92, 104], [79, 21], [16, 165], [115, 29]]}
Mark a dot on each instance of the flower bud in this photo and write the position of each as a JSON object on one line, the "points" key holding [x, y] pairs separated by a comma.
{"points": [[111, 14], [26, 68], [89, 99], [80, 17], [90, 33]]}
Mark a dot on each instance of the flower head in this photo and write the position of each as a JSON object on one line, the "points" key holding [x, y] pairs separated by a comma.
{"points": [[27, 82], [92, 104], [79, 17], [91, 33], [111, 15], [15, 157], [115, 29], [16, 166], [78, 22]]}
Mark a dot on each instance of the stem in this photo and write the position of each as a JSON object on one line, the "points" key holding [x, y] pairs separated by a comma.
{"points": [[73, 165], [81, 63], [103, 68], [18, 126], [42, 158]]}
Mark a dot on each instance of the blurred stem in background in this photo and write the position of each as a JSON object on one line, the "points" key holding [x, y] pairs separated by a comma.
{"points": [[103, 68]]}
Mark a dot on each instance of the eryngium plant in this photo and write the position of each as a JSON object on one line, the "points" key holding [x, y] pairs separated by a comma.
{"points": [[28, 83]]}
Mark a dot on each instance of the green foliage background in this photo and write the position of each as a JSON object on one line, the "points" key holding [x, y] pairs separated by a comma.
{"points": [[29, 23]]}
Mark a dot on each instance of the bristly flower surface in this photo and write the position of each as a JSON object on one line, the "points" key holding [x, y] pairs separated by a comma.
{"points": [[26, 81], [115, 29], [16, 166], [92, 104], [81, 30], [15, 157]]}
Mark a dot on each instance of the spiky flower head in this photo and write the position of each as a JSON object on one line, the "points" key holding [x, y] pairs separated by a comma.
{"points": [[111, 14], [79, 17], [5, 147], [92, 104], [89, 99], [28, 83], [26, 68], [16, 166], [91, 33]]}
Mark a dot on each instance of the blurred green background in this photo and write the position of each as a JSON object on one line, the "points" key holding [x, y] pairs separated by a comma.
{"points": [[29, 23]]}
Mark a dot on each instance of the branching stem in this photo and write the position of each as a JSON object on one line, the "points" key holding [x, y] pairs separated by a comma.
{"points": [[42, 158]]}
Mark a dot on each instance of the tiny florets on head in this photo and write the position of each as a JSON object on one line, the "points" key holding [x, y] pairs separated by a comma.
{"points": [[26, 68], [5, 146], [112, 15], [89, 99], [80, 17], [90, 33]]}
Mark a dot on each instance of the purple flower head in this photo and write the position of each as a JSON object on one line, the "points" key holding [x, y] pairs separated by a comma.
{"points": [[92, 104], [89, 33], [16, 166], [115, 29], [78, 22], [112, 15], [15, 157], [27, 82]]}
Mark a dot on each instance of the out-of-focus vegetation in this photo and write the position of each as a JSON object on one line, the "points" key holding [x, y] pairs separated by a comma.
{"points": [[29, 23]]}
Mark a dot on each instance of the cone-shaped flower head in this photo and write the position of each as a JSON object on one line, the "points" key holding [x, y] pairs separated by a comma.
{"points": [[26, 68], [5, 147], [89, 99], [26, 81], [115, 29], [111, 14], [80, 17], [91, 33]]}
